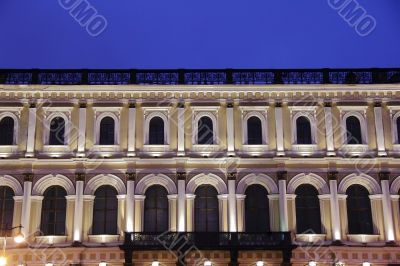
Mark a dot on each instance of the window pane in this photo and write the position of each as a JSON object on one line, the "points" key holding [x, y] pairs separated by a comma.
{"points": [[105, 211], [156, 131], [107, 131], [308, 214], [254, 131], [206, 209], [359, 210], [57, 131], [205, 131], [7, 131], [353, 128], [303, 130], [6, 209], [256, 209], [54, 207], [156, 209]]}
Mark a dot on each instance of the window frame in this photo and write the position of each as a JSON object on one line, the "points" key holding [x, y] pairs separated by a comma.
{"points": [[164, 114], [3, 215], [260, 112], [14, 113], [105, 211], [54, 210]]}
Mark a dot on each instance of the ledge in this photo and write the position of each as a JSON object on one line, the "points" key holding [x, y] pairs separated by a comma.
{"points": [[362, 238]]}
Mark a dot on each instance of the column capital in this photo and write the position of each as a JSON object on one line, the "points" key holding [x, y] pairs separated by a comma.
{"points": [[132, 105], [327, 104], [278, 104], [28, 177], [231, 175], [82, 105], [384, 175], [332, 175], [229, 105], [130, 176], [180, 105], [377, 104], [281, 175], [181, 175], [80, 176]]}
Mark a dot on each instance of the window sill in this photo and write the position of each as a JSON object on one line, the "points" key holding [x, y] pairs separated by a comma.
{"points": [[205, 149], [354, 149], [7, 150], [361, 238], [56, 150], [311, 238], [103, 238], [255, 149], [105, 148], [50, 240], [304, 149]]}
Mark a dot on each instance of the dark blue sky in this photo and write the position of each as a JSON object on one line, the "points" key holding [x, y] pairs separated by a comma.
{"points": [[198, 34]]}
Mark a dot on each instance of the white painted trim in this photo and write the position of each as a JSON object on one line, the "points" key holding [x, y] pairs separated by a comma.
{"points": [[47, 122], [395, 186], [262, 114], [15, 115], [259, 179], [360, 113], [360, 179], [99, 115], [13, 183], [150, 113], [197, 115], [310, 179], [394, 117], [155, 179], [206, 179], [103, 180], [313, 125], [53, 180]]}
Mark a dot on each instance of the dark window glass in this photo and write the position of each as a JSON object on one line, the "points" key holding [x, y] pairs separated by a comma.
{"points": [[6, 210], [54, 208], [205, 131], [107, 131], [303, 130], [156, 131], [359, 213], [57, 131], [206, 209], [308, 214], [105, 211], [156, 209], [7, 131], [353, 128], [398, 129], [254, 130], [256, 209]]}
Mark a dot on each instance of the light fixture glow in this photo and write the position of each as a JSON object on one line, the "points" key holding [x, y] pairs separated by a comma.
{"points": [[103, 263], [259, 263], [3, 261], [155, 263], [366, 263], [207, 263], [312, 263], [49, 264], [19, 238]]}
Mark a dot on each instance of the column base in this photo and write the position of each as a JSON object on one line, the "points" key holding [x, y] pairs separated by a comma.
{"points": [[382, 153], [131, 154], [231, 153], [29, 154], [80, 154], [280, 153], [330, 153], [180, 153]]}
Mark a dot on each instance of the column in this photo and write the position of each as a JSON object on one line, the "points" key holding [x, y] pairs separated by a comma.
{"points": [[291, 207], [335, 213], [223, 213], [36, 215], [190, 212], [172, 201], [330, 148], [30, 142], [181, 129], [396, 215], [377, 213], [230, 130], [344, 230], [283, 212], [139, 212], [274, 213], [181, 212], [240, 212], [69, 217], [387, 207], [130, 202], [26, 204], [280, 149], [380, 137], [16, 221], [82, 130], [78, 212], [324, 205], [121, 214], [232, 214], [131, 129], [88, 202]]}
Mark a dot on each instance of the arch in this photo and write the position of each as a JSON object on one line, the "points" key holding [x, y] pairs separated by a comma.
{"points": [[97, 126], [206, 179], [146, 128], [315, 180], [156, 131], [264, 130], [204, 126], [16, 125], [53, 180], [363, 126], [359, 179], [198, 116], [313, 127], [395, 186], [13, 183], [47, 126], [105, 179], [155, 179], [261, 179]]}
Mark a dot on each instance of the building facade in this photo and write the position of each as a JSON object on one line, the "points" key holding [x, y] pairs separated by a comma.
{"points": [[287, 167]]}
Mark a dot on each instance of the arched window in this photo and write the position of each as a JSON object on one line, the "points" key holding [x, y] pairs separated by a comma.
{"points": [[353, 130], [7, 131], [54, 208], [398, 129], [107, 131], [359, 213], [303, 130], [105, 211], [308, 214], [57, 131], [254, 131], [206, 214], [205, 133], [156, 131], [6, 210], [256, 209], [156, 210]]}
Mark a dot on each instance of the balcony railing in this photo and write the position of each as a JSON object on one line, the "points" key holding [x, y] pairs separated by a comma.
{"points": [[199, 77]]}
